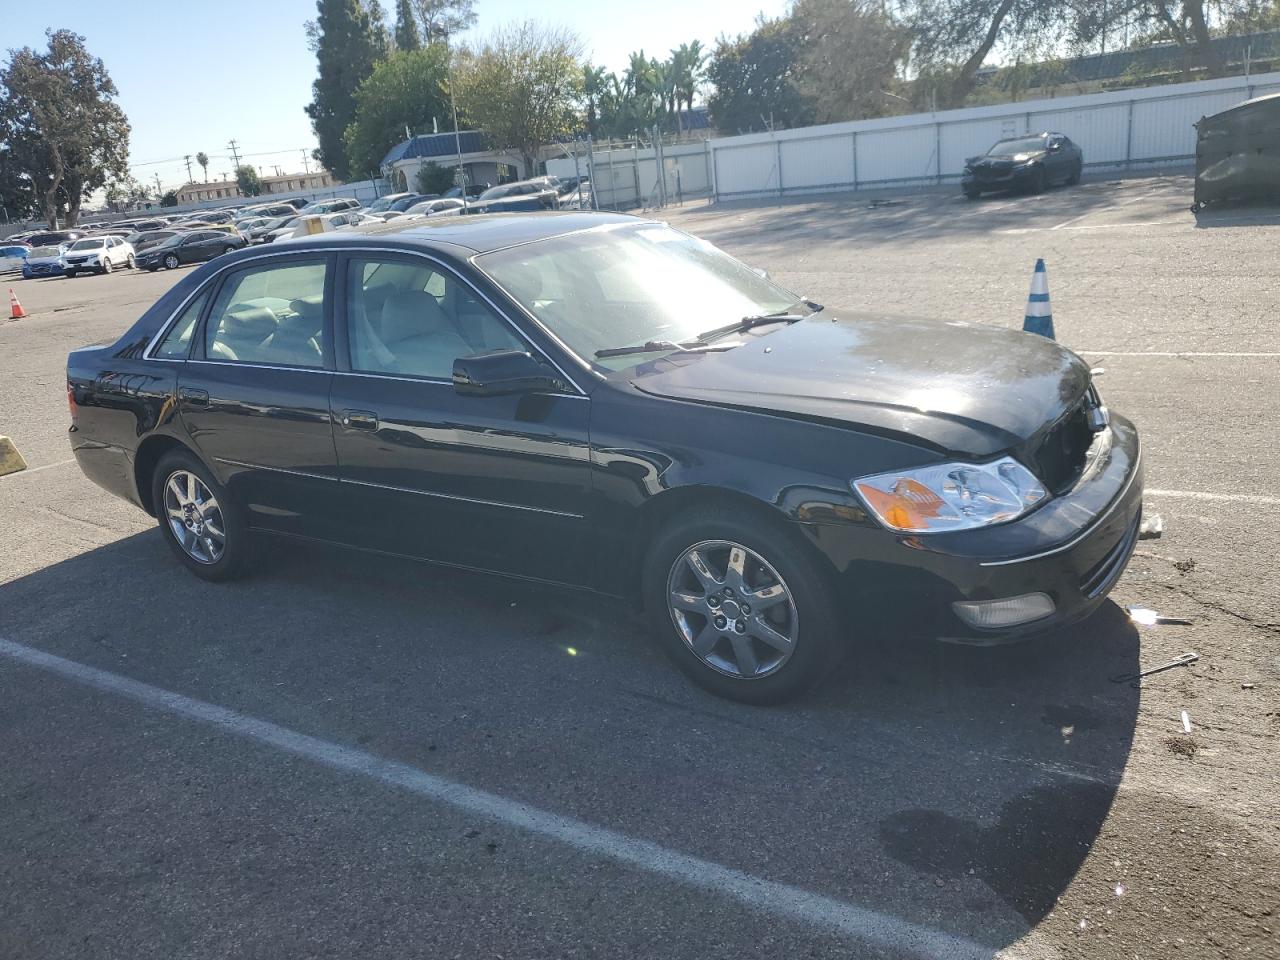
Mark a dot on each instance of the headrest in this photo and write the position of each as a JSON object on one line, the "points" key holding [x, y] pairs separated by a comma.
{"points": [[411, 313], [245, 322], [312, 306]]}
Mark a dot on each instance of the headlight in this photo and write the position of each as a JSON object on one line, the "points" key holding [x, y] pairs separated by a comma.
{"points": [[951, 496]]}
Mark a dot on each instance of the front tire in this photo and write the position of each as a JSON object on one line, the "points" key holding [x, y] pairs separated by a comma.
{"points": [[742, 607], [203, 526], [106, 267], [1039, 180], [171, 262], [131, 262], [972, 194]]}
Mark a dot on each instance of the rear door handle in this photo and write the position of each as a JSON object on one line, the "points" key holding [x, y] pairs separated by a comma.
{"points": [[360, 419], [196, 398]]}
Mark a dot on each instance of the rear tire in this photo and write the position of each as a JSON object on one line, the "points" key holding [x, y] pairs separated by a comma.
{"points": [[228, 249], [202, 524], [706, 624], [131, 262], [972, 194]]}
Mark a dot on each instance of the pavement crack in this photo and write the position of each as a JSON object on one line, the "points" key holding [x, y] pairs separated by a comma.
{"points": [[1254, 622]]}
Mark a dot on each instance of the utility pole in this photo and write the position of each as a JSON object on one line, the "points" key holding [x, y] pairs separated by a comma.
{"points": [[457, 143], [305, 163], [188, 159], [235, 159], [160, 189]]}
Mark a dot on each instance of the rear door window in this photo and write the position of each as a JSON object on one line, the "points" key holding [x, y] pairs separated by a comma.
{"points": [[272, 314], [177, 342]]}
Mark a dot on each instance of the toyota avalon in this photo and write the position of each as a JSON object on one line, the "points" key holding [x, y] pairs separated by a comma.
{"points": [[604, 402]]}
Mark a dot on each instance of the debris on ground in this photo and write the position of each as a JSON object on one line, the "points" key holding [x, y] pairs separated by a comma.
{"points": [[1186, 722], [1185, 660], [1149, 618], [1184, 566], [1248, 686], [1182, 746], [1151, 528]]}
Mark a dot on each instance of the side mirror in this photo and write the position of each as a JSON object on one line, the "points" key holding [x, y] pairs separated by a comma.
{"points": [[502, 372], [1055, 146]]}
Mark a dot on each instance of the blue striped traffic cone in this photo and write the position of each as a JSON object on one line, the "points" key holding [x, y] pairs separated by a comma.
{"points": [[1039, 318]]}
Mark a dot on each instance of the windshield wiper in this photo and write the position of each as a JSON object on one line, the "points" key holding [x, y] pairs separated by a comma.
{"points": [[760, 320], [658, 346]]}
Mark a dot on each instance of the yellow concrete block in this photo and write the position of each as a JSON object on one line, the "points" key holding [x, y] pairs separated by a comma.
{"points": [[10, 459]]}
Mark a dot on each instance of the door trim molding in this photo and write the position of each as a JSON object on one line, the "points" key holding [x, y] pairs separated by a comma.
{"points": [[422, 493]]}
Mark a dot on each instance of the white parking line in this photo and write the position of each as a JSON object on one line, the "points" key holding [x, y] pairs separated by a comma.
{"points": [[1226, 497], [768, 897], [30, 470], [1092, 226], [1064, 223]]}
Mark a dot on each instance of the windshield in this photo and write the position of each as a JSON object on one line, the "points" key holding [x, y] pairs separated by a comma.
{"points": [[95, 244], [44, 252], [172, 241], [493, 193], [1009, 148], [617, 286]]}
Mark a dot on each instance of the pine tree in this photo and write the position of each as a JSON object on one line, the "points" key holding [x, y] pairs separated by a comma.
{"points": [[349, 38], [406, 27]]}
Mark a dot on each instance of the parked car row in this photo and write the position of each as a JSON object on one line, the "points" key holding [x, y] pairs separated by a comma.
{"points": [[175, 240]]}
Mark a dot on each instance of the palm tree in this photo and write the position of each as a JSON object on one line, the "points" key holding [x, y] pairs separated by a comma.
{"points": [[690, 63], [202, 158], [592, 88], [664, 88]]}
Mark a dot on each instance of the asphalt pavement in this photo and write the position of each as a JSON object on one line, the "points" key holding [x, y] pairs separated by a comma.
{"points": [[348, 756]]}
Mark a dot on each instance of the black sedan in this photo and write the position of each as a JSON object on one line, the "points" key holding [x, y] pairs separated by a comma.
{"points": [[193, 247], [522, 195], [1023, 163], [603, 402]]}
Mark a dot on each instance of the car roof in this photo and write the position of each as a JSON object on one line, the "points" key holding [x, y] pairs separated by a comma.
{"points": [[478, 233]]}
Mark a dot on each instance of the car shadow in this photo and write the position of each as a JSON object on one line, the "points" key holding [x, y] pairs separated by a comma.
{"points": [[981, 775], [1237, 213]]}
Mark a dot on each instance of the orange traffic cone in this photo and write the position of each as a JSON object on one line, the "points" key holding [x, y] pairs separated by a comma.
{"points": [[15, 308]]}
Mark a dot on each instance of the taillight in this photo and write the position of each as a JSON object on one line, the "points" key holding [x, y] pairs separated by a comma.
{"points": [[71, 400]]}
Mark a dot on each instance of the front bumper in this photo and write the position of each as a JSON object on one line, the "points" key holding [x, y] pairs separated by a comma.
{"points": [[31, 272], [1073, 548], [1017, 177]]}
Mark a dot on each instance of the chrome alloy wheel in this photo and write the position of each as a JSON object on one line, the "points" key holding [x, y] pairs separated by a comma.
{"points": [[194, 517], [732, 609]]}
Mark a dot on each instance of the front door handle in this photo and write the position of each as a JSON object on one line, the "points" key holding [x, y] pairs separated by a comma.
{"points": [[360, 419], [196, 398]]}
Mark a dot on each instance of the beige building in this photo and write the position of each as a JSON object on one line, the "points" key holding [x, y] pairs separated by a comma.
{"points": [[285, 183], [200, 192]]}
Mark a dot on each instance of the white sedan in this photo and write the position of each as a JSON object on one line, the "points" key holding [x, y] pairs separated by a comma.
{"points": [[431, 208], [97, 255]]}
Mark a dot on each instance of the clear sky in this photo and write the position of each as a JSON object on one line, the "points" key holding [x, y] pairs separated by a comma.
{"points": [[194, 75]]}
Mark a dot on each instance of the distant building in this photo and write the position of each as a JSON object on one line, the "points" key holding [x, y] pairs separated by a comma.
{"points": [[284, 183], [200, 192], [298, 182], [480, 161]]}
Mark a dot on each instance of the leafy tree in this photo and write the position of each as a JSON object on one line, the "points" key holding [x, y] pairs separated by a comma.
{"points": [[348, 39], [125, 194], [850, 50], [441, 19], [405, 90], [202, 158], [593, 85], [407, 38], [63, 130], [17, 192], [433, 178], [754, 76], [521, 85], [247, 181], [170, 198]]}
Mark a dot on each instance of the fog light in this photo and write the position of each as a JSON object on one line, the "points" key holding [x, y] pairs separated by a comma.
{"points": [[1009, 612]]}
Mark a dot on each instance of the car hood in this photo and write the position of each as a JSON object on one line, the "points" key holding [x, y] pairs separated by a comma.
{"points": [[960, 388]]}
